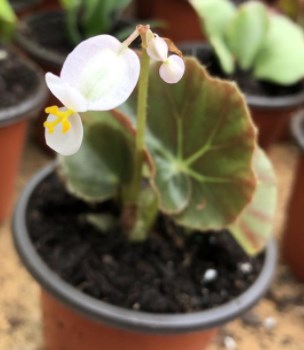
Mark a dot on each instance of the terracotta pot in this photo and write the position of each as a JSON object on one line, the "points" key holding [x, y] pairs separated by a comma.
{"points": [[13, 124], [76, 321], [182, 22], [270, 114], [293, 238]]}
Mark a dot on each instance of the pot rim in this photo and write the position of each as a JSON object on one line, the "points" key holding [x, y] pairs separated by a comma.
{"points": [[258, 102], [120, 317], [49, 57], [29, 107], [296, 127]]}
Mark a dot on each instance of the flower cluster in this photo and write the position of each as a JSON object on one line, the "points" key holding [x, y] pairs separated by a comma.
{"points": [[98, 75]]}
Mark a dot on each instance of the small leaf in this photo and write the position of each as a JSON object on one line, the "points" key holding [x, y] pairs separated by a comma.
{"points": [[103, 222], [104, 163], [247, 32], [214, 15], [254, 227], [281, 57]]}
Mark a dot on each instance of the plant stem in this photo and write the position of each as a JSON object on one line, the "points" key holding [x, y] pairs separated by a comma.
{"points": [[141, 127]]}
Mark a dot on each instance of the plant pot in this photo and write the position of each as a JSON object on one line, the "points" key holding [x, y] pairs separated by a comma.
{"points": [[25, 7], [293, 238], [270, 114], [74, 320], [13, 125], [181, 21]]}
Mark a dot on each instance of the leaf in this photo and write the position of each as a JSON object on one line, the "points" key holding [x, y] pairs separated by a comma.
{"points": [[281, 57], [8, 20], [104, 163], [103, 222], [214, 15], [224, 55], [247, 32], [201, 139], [254, 227]]}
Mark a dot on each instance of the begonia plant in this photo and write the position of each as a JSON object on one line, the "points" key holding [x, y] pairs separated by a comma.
{"points": [[253, 38], [180, 144]]}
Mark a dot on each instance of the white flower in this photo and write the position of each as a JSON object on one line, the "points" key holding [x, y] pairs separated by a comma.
{"points": [[100, 74], [173, 67]]}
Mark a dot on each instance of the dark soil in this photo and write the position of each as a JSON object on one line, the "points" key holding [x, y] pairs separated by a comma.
{"points": [[164, 274], [245, 80], [17, 81]]}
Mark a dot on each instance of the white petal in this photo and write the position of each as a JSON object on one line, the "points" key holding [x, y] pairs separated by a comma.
{"points": [[66, 94], [157, 49], [67, 143], [103, 70], [172, 70]]}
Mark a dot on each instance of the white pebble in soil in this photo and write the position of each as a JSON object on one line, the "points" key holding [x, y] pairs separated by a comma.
{"points": [[245, 267], [270, 323], [3, 55], [210, 275], [230, 343]]}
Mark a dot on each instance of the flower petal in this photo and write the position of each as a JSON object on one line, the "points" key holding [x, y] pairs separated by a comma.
{"points": [[67, 143], [103, 70], [157, 49], [66, 94], [172, 70]]}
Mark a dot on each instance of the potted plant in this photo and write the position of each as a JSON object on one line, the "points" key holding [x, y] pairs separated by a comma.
{"points": [[292, 243], [269, 70], [133, 233], [23, 93], [49, 36]]}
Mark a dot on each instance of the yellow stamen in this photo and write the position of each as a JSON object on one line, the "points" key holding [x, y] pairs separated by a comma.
{"points": [[62, 117]]}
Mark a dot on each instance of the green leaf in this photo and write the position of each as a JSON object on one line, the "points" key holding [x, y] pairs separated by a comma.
{"points": [[281, 58], [214, 15], [104, 163], [247, 32], [224, 55], [6, 12], [201, 139], [254, 227]]}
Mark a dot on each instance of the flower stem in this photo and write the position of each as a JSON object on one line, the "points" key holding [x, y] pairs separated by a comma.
{"points": [[141, 126]]}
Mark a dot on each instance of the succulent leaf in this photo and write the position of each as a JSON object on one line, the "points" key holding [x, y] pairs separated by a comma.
{"points": [[247, 31], [282, 55], [254, 227], [214, 15], [100, 169]]}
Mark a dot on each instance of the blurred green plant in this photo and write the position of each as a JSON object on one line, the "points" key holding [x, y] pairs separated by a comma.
{"points": [[87, 18], [8, 21], [253, 38]]}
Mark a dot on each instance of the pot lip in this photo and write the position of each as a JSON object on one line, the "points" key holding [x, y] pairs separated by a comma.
{"points": [[296, 127], [47, 56], [29, 107], [255, 101], [120, 317]]}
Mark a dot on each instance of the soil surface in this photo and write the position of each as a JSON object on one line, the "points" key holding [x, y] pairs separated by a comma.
{"points": [[17, 81], [168, 273], [245, 80]]}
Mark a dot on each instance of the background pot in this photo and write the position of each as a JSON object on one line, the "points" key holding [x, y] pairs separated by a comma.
{"points": [[293, 238], [73, 318], [13, 125], [24, 7], [271, 114], [180, 20]]}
